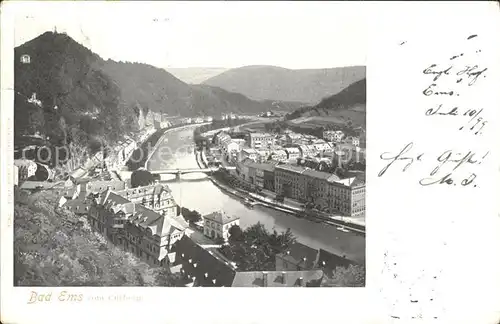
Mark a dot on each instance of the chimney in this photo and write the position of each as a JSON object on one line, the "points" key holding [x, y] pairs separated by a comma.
{"points": [[301, 281], [109, 187], [157, 181], [283, 274], [264, 278]]}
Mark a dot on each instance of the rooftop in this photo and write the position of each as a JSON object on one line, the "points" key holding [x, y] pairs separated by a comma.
{"points": [[311, 278], [328, 262], [290, 168], [317, 174], [202, 265], [221, 217], [300, 255]]}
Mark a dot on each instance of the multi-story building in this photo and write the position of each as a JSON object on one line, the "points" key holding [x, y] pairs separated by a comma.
{"points": [[140, 230], [228, 146], [260, 140], [293, 138], [293, 153], [248, 154], [263, 155], [221, 137], [333, 136], [156, 197], [347, 196], [316, 188], [279, 155], [201, 267], [289, 182], [26, 168], [307, 150], [217, 224], [352, 140]]}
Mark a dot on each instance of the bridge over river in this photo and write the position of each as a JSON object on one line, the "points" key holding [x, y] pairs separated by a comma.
{"points": [[178, 172]]}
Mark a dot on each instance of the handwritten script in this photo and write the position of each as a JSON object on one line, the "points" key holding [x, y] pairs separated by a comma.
{"points": [[447, 80]]}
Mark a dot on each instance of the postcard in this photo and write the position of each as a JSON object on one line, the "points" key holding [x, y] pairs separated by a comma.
{"points": [[346, 147]]}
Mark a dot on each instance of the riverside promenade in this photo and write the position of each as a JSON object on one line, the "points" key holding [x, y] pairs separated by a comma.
{"points": [[290, 207]]}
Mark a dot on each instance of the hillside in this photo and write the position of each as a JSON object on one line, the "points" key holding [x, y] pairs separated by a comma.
{"points": [[85, 99], [69, 84], [160, 91], [54, 247], [347, 105], [195, 75], [276, 83]]}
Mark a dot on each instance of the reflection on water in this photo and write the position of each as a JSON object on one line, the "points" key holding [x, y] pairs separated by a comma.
{"points": [[195, 191]]}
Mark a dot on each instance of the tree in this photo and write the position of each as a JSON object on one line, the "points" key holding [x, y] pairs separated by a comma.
{"points": [[352, 276], [141, 178], [235, 233], [192, 216]]}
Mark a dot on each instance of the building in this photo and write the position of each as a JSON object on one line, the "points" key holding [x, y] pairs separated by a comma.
{"points": [[293, 138], [333, 136], [316, 188], [311, 278], [347, 196], [100, 186], [352, 140], [217, 224], [139, 230], [263, 155], [293, 153], [260, 140], [279, 155], [248, 154], [228, 146], [26, 168], [289, 182], [220, 137], [201, 267], [307, 150], [298, 257], [259, 174], [157, 197]]}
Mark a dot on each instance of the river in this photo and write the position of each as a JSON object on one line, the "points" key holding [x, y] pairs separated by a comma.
{"points": [[196, 191]]}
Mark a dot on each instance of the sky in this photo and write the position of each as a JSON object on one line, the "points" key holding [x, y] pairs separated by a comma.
{"points": [[295, 35]]}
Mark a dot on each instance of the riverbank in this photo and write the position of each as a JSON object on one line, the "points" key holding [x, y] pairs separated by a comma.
{"points": [[141, 156], [272, 204]]}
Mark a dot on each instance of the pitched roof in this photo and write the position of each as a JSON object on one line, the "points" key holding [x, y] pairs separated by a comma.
{"points": [[209, 270], [290, 168], [328, 262], [221, 217], [300, 255], [317, 174], [310, 278]]}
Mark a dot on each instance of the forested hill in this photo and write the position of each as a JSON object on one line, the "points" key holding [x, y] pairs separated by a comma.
{"points": [[84, 97]]}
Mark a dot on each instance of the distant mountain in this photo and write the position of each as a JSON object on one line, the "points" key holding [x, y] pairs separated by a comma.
{"points": [[84, 96], [347, 105], [261, 82], [195, 75]]}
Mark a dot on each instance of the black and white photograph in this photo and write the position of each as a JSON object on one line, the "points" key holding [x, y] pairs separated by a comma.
{"points": [[189, 151], [148, 147]]}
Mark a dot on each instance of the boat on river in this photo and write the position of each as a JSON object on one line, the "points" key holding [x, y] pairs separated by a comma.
{"points": [[249, 202]]}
